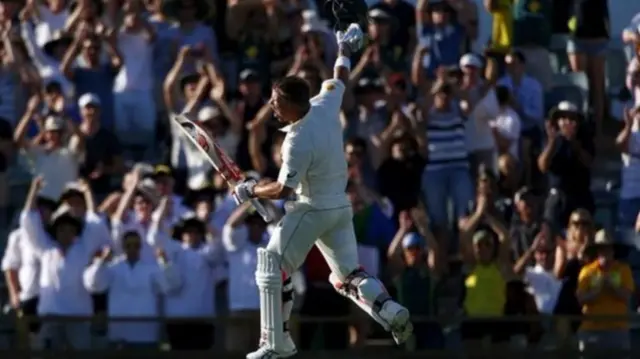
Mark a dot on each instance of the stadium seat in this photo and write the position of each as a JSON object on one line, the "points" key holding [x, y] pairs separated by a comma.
{"points": [[615, 69], [570, 93], [559, 61], [572, 82]]}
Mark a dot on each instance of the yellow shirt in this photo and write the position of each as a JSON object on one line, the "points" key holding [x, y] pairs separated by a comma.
{"points": [[606, 303], [485, 291], [502, 27]]}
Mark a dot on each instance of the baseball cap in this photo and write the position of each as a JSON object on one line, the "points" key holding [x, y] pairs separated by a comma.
{"points": [[208, 113], [53, 123], [249, 75], [482, 235], [88, 99], [379, 14], [470, 60], [412, 239]]}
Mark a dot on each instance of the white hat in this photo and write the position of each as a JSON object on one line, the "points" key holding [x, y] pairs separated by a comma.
{"points": [[567, 106], [470, 60], [207, 113], [88, 99], [311, 22], [53, 123]]}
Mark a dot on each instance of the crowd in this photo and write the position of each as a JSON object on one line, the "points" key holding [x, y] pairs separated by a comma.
{"points": [[470, 168]]}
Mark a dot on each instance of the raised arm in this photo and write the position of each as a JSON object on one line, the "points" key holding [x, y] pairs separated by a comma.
{"points": [[157, 236], [349, 41], [30, 220], [97, 277], [167, 279]]}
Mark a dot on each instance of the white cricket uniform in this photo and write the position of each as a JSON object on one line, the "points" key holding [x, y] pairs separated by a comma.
{"points": [[314, 164]]}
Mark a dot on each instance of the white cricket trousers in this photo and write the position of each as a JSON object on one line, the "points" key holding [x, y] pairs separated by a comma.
{"points": [[329, 229]]}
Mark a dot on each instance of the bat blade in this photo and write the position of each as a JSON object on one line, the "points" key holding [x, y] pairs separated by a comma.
{"points": [[216, 156]]}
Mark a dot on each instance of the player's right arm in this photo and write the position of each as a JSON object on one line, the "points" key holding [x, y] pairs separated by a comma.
{"points": [[341, 69]]}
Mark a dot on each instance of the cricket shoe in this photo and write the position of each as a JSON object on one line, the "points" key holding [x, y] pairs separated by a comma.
{"points": [[399, 321], [265, 352]]}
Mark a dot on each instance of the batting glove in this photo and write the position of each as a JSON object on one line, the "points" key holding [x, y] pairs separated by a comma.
{"points": [[243, 191], [353, 37]]}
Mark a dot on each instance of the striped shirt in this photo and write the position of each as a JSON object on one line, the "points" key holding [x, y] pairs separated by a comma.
{"points": [[446, 140]]}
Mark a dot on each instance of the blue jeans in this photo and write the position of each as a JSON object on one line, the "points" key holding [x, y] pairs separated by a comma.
{"points": [[443, 185], [627, 213]]}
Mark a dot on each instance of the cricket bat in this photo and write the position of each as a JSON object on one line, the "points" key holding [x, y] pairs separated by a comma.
{"points": [[224, 165]]}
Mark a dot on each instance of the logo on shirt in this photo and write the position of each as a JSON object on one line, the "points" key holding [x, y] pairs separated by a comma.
{"points": [[329, 87], [292, 174]]}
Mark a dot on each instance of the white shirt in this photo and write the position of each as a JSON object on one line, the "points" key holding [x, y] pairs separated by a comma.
{"points": [[19, 256], [530, 96], [477, 130], [96, 232], [544, 286], [137, 70], [49, 24], [507, 123], [62, 291], [242, 256], [313, 160], [196, 265], [133, 292]]}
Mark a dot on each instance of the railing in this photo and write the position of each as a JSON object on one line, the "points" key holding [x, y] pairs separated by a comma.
{"points": [[562, 346]]}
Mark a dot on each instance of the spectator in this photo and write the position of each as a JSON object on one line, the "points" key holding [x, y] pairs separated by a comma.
{"points": [[528, 101], [133, 286], [399, 175], [102, 158], [578, 237], [526, 222], [479, 101], [195, 257], [488, 270], [78, 200], [355, 150], [63, 259], [604, 288], [543, 277], [142, 197], [441, 35], [402, 15], [446, 174], [243, 234], [21, 267], [94, 76], [50, 155], [133, 100], [628, 142], [587, 49], [567, 159], [191, 31], [416, 266], [506, 126]]}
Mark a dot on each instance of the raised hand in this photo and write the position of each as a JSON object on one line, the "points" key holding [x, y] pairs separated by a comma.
{"points": [[353, 38]]}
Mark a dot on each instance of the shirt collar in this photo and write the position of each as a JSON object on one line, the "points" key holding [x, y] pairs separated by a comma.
{"points": [[293, 126]]}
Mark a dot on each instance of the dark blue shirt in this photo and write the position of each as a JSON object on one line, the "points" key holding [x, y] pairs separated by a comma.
{"points": [[98, 81]]}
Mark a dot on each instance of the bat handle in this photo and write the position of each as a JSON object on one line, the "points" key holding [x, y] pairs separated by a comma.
{"points": [[261, 210]]}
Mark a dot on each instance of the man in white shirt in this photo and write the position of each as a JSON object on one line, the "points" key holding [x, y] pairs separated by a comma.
{"points": [[21, 268], [315, 168], [134, 102], [506, 126], [63, 258], [133, 287], [56, 161], [245, 232], [197, 258]]}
